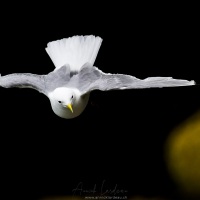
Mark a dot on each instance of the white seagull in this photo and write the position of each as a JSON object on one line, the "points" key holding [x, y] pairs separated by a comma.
{"points": [[68, 87]]}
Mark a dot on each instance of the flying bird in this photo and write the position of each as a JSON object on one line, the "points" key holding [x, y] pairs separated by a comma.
{"points": [[68, 87]]}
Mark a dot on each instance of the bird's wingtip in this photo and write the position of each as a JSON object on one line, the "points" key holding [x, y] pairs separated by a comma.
{"points": [[192, 82]]}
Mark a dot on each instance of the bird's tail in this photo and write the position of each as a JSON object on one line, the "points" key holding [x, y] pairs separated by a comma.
{"points": [[75, 51]]}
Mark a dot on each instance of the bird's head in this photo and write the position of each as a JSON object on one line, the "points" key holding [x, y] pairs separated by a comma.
{"points": [[63, 98]]}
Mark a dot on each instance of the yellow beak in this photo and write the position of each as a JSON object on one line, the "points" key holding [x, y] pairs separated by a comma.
{"points": [[70, 107]]}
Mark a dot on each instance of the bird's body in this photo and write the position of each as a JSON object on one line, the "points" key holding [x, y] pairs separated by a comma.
{"points": [[76, 52], [68, 87]]}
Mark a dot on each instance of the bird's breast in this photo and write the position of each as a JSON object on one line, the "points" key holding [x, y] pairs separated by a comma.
{"points": [[78, 107]]}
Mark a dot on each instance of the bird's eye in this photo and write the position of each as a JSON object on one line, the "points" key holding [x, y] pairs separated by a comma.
{"points": [[72, 97], [59, 101]]}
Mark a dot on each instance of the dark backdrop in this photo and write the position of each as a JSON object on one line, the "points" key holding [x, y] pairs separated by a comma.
{"points": [[120, 136]]}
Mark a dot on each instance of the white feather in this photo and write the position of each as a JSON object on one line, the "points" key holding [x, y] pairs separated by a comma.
{"points": [[75, 51]]}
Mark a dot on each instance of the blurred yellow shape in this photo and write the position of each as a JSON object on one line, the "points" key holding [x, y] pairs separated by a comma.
{"points": [[183, 155]]}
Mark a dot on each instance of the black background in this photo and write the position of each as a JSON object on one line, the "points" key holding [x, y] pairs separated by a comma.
{"points": [[120, 136]]}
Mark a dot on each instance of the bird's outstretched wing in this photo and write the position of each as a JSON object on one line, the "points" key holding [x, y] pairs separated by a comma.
{"points": [[42, 83], [91, 78], [24, 81]]}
